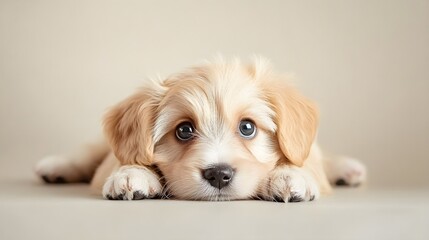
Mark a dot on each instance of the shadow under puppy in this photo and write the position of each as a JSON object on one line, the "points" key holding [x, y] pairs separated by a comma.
{"points": [[223, 130]]}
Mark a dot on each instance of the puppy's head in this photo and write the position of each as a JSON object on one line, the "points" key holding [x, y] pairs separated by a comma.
{"points": [[215, 131]]}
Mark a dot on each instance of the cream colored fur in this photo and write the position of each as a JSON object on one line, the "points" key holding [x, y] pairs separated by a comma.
{"points": [[282, 162]]}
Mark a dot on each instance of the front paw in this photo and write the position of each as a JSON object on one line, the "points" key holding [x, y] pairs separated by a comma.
{"points": [[132, 183], [290, 184]]}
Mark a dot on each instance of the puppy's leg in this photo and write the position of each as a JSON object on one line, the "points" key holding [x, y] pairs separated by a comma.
{"points": [[78, 167], [344, 171], [288, 183], [132, 182]]}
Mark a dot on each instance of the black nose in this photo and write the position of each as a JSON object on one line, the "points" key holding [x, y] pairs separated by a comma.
{"points": [[219, 176]]}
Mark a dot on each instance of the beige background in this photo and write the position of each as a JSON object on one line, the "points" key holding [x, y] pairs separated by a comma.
{"points": [[366, 63]]}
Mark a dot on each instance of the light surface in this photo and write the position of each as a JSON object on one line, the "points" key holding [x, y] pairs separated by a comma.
{"points": [[32, 210]]}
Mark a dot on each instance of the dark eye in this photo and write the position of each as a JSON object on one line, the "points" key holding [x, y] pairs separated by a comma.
{"points": [[247, 129], [185, 131]]}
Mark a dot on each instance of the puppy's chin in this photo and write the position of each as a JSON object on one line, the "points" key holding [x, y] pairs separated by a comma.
{"points": [[187, 182], [208, 193], [221, 195], [205, 192]]}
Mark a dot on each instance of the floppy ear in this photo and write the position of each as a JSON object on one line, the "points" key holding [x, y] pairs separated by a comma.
{"points": [[296, 119], [129, 125]]}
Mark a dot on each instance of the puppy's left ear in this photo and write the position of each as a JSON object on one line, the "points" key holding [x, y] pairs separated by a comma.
{"points": [[296, 119]]}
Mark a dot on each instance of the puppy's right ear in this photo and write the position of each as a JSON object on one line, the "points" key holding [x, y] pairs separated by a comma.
{"points": [[129, 125]]}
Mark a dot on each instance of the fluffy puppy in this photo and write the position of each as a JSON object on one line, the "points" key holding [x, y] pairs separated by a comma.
{"points": [[218, 131]]}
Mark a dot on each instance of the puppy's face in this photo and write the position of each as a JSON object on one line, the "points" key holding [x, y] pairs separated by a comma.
{"points": [[213, 131], [215, 134]]}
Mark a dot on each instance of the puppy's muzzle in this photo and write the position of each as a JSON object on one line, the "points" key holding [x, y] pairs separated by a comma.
{"points": [[219, 176]]}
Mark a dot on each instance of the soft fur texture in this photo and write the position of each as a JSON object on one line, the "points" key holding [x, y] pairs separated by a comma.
{"points": [[281, 163]]}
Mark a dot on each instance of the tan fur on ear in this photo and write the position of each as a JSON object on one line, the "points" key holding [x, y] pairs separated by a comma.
{"points": [[296, 119], [129, 126]]}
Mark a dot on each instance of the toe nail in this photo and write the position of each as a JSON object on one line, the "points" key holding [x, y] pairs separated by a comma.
{"points": [[60, 180], [341, 182], [295, 198], [279, 199], [139, 195], [46, 179]]}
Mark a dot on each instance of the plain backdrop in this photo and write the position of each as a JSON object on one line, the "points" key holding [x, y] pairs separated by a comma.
{"points": [[366, 63]]}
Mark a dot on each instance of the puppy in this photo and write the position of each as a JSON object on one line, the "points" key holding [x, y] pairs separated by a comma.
{"points": [[219, 131]]}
